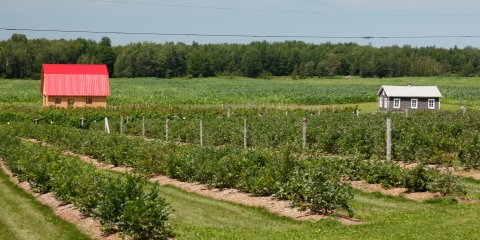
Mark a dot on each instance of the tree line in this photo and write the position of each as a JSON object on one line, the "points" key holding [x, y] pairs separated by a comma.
{"points": [[22, 58]]}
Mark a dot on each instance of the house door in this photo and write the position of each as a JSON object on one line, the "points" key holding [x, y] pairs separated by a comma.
{"points": [[71, 102]]}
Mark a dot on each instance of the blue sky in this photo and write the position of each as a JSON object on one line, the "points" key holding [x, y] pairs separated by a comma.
{"points": [[345, 18]]}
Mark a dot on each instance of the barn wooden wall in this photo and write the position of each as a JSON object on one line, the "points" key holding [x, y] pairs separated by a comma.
{"points": [[79, 101]]}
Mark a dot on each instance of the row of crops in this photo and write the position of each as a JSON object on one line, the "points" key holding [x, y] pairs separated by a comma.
{"points": [[302, 176], [72, 116], [218, 91], [443, 137], [127, 204], [427, 137]]}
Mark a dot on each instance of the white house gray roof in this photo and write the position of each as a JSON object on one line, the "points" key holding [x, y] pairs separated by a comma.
{"points": [[410, 91]]}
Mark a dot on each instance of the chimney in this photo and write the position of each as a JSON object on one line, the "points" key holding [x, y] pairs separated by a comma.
{"points": [[409, 84]]}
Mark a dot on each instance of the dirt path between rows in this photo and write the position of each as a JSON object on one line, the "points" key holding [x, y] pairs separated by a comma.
{"points": [[459, 171]]}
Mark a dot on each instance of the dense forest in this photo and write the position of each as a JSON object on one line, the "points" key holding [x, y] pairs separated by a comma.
{"points": [[22, 58]]}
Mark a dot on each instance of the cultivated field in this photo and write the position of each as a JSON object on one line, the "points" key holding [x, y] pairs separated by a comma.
{"points": [[259, 92], [332, 176]]}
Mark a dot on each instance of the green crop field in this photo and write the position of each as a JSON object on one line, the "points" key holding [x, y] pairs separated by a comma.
{"points": [[198, 217], [315, 176], [241, 91]]}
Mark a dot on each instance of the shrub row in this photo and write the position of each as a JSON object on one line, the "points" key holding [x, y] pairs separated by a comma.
{"points": [[71, 116], [122, 204], [291, 173], [425, 137], [417, 179], [260, 172]]}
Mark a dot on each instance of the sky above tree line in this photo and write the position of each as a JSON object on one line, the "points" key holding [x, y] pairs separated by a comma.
{"points": [[375, 22]]}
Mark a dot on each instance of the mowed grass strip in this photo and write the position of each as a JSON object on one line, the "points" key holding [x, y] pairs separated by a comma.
{"points": [[23, 217], [384, 217]]}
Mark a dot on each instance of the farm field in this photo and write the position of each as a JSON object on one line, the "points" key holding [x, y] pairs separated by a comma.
{"points": [[445, 137], [198, 217], [274, 162], [382, 217], [277, 92]]}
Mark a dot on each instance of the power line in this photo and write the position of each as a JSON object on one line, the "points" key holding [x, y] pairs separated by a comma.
{"points": [[288, 11], [231, 35]]}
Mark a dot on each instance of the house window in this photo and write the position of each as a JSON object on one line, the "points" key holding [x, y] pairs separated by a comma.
{"points": [[58, 100], [414, 103], [431, 103], [71, 102], [386, 103], [396, 103], [380, 102], [89, 101]]}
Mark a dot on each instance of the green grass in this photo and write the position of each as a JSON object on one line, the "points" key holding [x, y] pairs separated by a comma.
{"points": [[384, 217], [23, 217]]}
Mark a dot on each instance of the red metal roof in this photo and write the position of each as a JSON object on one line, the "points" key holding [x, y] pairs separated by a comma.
{"points": [[75, 80]]}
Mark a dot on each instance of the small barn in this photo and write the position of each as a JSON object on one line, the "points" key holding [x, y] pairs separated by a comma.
{"points": [[74, 85], [401, 98]]}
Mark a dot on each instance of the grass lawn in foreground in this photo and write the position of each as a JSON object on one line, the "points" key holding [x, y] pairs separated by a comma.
{"points": [[384, 217], [23, 217]]}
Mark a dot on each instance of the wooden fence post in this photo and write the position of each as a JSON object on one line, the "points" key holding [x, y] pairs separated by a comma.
{"points": [[406, 112], [304, 132], [201, 133], [107, 128], [389, 138], [245, 134], [166, 130], [82, 119]]}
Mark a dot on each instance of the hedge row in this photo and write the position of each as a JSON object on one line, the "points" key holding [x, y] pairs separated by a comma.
{"points": [[126, 204], [311, 181], [425, 137]]}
